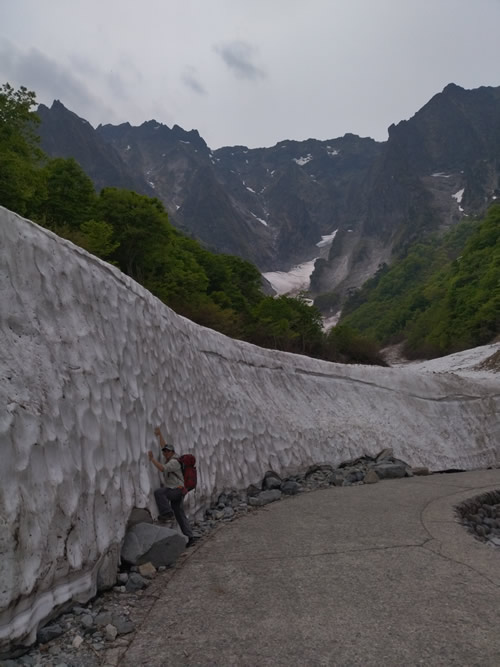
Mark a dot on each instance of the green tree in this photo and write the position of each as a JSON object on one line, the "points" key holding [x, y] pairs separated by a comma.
{"points": [[97, 238], [21, 183], [70, 195]]}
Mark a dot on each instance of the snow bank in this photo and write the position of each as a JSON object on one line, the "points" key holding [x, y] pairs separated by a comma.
{"points": [[90, 363]]}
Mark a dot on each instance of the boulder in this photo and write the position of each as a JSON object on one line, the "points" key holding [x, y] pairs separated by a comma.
{"points": [[371, 477], [354, 476], [290, 488], [388, 470], [271, 481], [136, 582], [264, 498], [147, 570], [253, 490], [420, 471], [336, 479], [147, 542]]}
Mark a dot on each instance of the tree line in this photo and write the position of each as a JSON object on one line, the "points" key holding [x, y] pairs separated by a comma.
{"points": [[133, 232]]}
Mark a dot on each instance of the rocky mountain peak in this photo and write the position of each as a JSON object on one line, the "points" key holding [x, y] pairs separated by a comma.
{"points": [[273, 205]]}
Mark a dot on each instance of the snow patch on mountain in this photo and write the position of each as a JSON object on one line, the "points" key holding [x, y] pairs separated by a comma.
{"points": [[296, 280], [301, 161]]}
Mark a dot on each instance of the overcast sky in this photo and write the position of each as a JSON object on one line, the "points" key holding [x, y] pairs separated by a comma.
{"points": [[250, 72]]}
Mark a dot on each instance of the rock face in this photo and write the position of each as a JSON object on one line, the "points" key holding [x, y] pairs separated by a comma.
{"points": [[273, 205], [90, 363]]}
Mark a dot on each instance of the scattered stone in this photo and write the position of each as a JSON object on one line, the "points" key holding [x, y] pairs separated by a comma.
{"points": [[390, 470], [371, 477], [353, 477], [123, 625], [103, 619], [479, 514], [271, 481], [77, 642], [290, 488], [135, 583], [111, 632], [336, 478], [420, 472], [49, 632], [256, 501], [322, 468], [269, 496], [147, 570], [87, 621], [122, 577], [78, 611], [253, 490]]}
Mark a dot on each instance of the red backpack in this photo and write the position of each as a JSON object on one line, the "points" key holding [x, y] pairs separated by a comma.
{"points": [[188, 466]]}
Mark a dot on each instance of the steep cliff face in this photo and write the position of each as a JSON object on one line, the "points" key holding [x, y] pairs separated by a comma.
{"points": [[435, 168], [90, 363], [273, 205], [64, 134]]}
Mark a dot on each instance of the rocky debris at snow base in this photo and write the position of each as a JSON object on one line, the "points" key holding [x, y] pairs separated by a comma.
{"points": [[88, 636], [481, 516]]}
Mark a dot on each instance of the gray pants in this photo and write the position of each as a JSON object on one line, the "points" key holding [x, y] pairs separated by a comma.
{"points": [[173, 499]]}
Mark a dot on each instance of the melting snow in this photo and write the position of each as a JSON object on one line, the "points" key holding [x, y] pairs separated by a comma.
{"points": [[294, 281], [332, 151], [250, 189], [184, 142], [458, 195], [128, 147], [440, 174], [438, 416], [325, 240], [259, 219], [301, 161], [151, 184]]}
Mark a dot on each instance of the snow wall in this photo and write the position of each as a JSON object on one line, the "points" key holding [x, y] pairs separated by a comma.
{"points": [[90, 363]]}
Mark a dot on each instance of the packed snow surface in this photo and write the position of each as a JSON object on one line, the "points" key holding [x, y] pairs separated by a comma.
{"points": [[293, 281], [326, 240], [90, 363]]}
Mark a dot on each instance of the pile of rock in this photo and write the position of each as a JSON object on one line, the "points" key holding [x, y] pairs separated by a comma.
{"points": [[362, 470], [481, 516], [87, 635]]}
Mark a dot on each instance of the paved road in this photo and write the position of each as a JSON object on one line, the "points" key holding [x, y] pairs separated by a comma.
{"points": [[370, 575]]}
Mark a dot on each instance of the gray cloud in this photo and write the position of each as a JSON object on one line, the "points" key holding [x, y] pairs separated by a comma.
{"points": [[50, 80], [191, 81], [238, 57]]}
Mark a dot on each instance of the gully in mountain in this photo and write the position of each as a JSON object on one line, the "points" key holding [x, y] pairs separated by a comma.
{"points": [[170, 497]]}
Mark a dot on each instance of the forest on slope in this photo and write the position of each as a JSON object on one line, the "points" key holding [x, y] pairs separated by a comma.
{"points": [[443, 296], [133, 232]]}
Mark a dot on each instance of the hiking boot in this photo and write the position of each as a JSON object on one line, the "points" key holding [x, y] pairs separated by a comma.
{"points": [[163, 518], [192, 541]]}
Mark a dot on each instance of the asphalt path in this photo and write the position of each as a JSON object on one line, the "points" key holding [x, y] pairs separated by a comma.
{"points": [[378, 574]]}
